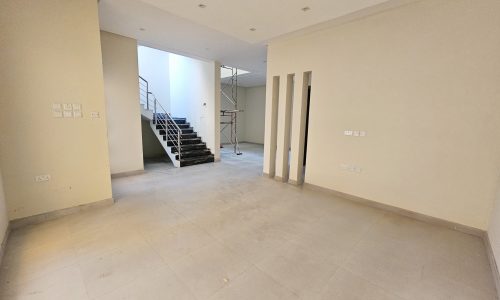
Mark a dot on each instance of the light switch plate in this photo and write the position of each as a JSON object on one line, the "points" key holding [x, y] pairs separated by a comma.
{"points": [[45, 177]]}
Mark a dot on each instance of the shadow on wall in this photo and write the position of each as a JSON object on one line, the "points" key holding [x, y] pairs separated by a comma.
{"points": [[151, 147]]}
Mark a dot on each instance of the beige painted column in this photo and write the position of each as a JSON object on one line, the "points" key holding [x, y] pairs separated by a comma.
{"points": [[272, 95], [298, 128], [283, 136]]}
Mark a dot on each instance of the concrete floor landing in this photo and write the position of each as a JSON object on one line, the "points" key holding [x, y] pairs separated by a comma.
{"points": [[222, 231]]}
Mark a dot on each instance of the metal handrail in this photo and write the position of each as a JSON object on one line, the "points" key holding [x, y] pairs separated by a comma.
{"points": [[172, 131]]}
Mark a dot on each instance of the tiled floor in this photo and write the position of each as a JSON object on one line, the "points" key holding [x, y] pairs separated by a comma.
{"points": [[222, 231]]}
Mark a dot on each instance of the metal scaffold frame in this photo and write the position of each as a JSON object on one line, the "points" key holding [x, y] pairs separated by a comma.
{"points": [[229, 117]]}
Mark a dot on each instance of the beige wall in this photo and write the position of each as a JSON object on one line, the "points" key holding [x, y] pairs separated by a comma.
{"points": [[255, 106], [121, 88], [4, 219], [422, 81], [494, 227], [51, 53]]}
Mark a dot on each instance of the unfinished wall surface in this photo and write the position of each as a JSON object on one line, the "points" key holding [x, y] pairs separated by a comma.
{"points": [[254, 122], [154, 67], [53, 56], [119, 60], [195, 96], [422, 81]]}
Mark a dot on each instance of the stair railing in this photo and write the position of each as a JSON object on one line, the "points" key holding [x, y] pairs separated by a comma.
{"points": [[172, 130]]}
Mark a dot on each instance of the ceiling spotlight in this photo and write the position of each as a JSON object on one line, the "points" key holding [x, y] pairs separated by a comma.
{"points": [[307, 8], [201, 5], [252, 29], [142, 29]]}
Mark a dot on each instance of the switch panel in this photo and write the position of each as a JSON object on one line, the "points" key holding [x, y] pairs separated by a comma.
{"points": [[45, 177]]}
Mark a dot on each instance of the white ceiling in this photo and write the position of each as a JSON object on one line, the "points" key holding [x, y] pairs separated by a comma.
{"points": [[220, 31]]}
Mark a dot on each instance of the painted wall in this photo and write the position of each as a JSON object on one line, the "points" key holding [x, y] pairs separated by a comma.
{"points": [[150, 144], [154, 67], [422, 81], [4, 219], [119, 60], [255, 107], [53, 56], [194, 95], [494, 227]]}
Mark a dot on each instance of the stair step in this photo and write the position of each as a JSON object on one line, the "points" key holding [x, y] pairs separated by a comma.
{"points": [[190, 147], [194, 153], [185, 129], [196, 160], [190, 135], [183, 142]]}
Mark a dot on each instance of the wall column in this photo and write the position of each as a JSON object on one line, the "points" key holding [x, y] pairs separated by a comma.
{"points": [[283, 136], [270, 133], [298, 128]]}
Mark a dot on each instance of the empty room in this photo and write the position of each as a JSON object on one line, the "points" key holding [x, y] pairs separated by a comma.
{"points": [[216, 149]]}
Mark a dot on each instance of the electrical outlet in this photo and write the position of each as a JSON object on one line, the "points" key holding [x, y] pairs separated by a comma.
{"points": [[45, 177]]}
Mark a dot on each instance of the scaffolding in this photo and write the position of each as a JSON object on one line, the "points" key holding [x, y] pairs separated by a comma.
{"points": [[229, 117]]}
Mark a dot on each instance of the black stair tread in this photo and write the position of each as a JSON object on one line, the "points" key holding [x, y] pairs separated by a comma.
{"points": [[196, 140], [184, 135], [184, 162], [194, 153], [196, 157], [183, 129], [199, 146]]}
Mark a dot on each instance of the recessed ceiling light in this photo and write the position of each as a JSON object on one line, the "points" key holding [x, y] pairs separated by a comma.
{"points": [[201, 5], [252, 29], [142, 29], [307, 8]]}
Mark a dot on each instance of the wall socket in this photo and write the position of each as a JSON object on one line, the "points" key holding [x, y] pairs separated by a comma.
{"points": [[45, 177], [357, 133], [350, 168]]}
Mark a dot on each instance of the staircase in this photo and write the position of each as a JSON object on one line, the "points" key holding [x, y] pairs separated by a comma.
{"points": [[178, 138]]}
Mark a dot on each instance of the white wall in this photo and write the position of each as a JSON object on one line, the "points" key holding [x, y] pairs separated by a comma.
{"points": [[255, 107], [194, 95], [422, 80], [154, 67], [119, 60], [51, 53]]}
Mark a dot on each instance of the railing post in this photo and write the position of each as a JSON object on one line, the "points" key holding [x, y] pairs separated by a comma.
{"points": [[154, 115], [147, 95]]}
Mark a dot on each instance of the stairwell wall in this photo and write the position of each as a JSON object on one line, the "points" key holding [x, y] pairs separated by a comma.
{"points": [[121, 89], [154, 67], [422, 81], [51, 53], [195, 94]]}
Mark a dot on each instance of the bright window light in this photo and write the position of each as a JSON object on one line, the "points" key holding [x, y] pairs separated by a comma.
{"points": [[225, 73]]}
